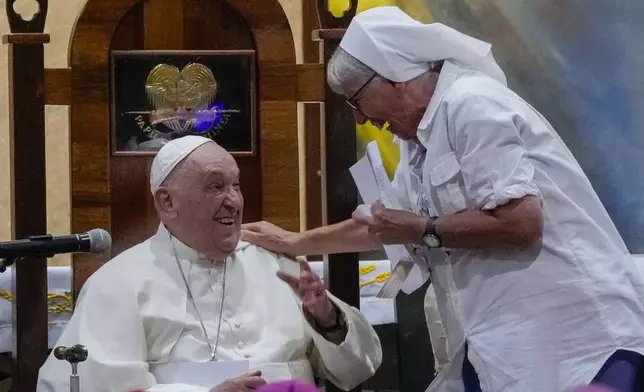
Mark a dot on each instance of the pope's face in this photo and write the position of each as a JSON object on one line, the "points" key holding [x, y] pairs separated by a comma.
{"points": [[209, 209]]}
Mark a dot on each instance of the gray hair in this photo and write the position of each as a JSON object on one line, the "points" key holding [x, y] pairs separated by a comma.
{"points": [[345, 73]]}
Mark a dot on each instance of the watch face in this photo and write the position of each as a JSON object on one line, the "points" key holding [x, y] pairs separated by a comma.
{"points": [[431, 241]]}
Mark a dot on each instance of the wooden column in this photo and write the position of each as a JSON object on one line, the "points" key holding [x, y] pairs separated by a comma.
{"points": [[312, 127], [27, 143], [341, 270]]}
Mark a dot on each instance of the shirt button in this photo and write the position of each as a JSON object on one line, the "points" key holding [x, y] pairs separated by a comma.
{"points": [[237, 325], [240, 344], [246, 355]]}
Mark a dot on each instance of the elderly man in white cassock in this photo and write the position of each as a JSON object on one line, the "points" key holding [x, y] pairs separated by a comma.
{"points": [[536, 289], [193, 309]]}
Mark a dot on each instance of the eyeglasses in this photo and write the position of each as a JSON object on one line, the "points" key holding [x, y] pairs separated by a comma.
{"points": [[354, 106]]}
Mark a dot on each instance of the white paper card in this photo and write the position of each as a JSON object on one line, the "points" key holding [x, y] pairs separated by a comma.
{"points": [[395, 282], [202, 374], [372, 182]]}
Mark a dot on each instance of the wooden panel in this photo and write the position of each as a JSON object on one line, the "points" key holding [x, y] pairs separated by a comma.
{"points": [[89, 122], [26, 38], [312, 120], [280, 163], [58, 86], [28, 191], [330, 34], [275, 83], [341, 270], [28, 188], [130, 197], [163, 24], [116, 196], [275, 45], [310, 82]]}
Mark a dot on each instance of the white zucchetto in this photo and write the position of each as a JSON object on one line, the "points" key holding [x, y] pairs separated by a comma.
{"points": [[170, 155]]}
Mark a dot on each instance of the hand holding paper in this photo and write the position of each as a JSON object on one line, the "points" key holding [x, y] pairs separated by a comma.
{"points": [[392, 226], [374, 186]]}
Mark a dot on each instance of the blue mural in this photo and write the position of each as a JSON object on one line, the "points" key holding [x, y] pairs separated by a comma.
{"points": [[581, 64]]}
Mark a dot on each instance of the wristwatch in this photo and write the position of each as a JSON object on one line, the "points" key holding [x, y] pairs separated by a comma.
{"points": [[430, 238]]}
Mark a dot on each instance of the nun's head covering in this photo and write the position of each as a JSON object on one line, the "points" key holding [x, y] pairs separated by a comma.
{"points": [[170, 155], [400, 48]]}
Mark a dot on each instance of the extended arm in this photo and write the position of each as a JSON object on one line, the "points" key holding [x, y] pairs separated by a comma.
{"points": [[343, 237]]}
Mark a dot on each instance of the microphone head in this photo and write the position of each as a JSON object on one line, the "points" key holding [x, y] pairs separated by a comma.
{"points": [[79, 352], [100, 241]]}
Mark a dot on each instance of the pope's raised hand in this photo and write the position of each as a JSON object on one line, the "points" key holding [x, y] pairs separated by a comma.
{"points": [[310, 289]]}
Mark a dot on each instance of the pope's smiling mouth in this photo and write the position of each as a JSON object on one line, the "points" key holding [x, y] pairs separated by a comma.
{"points": [[226, 221]]}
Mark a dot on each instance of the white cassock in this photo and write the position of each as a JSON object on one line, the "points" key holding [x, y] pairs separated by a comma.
{"points": [[543, 321], [134, 314]]}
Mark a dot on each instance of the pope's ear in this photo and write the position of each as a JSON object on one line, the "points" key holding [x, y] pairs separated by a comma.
{"points": [[163, 201]]}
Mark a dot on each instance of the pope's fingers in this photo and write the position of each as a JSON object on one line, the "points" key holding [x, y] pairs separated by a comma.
{"points": [[254, 382], [254, 373], [289, 279], [304, 265]]}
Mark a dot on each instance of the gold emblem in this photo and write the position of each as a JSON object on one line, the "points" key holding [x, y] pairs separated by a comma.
{"points": [[181, 98]]}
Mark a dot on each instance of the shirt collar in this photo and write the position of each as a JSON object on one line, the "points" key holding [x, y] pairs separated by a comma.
{"points": [[184, 252], [450, 72]]}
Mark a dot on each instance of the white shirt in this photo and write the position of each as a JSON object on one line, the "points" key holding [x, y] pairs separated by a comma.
{"points": [[533, 322], [134, 313]]}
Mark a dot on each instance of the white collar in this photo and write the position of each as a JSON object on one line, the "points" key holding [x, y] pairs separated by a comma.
{"points": [[184, 252], [450, 72]]}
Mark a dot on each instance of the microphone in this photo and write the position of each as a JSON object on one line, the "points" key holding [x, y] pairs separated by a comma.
{"points": [[74, 354], [94, 241]]}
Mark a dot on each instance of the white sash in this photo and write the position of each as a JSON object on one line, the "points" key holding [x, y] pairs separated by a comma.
{"points": [[210, 374], [202, 374]]}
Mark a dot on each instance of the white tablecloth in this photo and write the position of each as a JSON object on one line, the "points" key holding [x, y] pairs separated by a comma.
{"points": [[59, 282], [372, 277]]}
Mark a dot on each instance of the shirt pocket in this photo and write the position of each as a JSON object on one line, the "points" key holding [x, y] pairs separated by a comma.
{"points": [[447, 186]]}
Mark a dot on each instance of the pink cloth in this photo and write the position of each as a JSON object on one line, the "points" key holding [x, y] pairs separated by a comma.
{"points": [[289, 386], [593, 388]]}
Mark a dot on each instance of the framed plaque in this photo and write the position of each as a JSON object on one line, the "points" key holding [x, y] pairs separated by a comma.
{"points": [[158, 96]]}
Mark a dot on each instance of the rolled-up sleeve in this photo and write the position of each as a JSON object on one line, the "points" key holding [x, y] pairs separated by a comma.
{"points": [[485, 134]]}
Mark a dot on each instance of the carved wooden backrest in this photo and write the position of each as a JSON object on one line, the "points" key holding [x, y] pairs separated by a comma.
{"points": [[102, 183]]}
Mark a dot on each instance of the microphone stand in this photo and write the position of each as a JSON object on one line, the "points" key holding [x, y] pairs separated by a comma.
{"points": [[74, 354]]}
